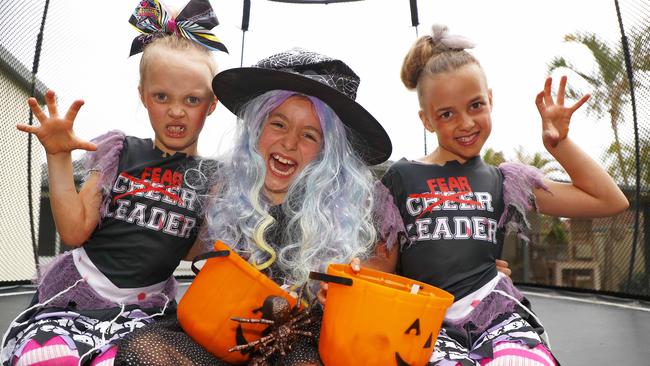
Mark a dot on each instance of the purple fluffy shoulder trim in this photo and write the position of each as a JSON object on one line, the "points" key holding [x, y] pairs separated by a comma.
{"points": [[387, 217], [105, 161], [519, 182]]}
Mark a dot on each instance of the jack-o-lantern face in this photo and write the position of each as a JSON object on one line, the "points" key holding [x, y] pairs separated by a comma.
{"points": [[411, 314], [415, 329]]}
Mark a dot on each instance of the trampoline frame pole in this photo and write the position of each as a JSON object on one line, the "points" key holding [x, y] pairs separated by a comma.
{"points": [[637, 153], [35, 64]]}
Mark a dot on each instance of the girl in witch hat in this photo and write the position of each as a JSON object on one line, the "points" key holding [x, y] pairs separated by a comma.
{"points": [[294, 194]]}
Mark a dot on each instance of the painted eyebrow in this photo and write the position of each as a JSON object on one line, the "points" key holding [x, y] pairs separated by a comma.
{"points": [[282, 116], [277, 114], [314, 130], [479, 98]]}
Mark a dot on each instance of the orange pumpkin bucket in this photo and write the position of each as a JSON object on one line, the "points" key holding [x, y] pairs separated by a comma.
{"points": [[225, 287], [379, 318]]}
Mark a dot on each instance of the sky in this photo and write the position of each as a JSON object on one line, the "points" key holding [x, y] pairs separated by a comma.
{"points": [[515, 41]]}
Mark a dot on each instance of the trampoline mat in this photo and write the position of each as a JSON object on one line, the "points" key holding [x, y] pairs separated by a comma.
{"points": [[583, 329]]}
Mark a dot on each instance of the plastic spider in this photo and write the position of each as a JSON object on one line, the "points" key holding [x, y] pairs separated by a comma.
{"points": [[286, 325]]}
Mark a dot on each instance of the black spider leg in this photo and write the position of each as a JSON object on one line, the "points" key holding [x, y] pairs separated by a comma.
{"points": [[269, 345], [301, 292], [287, 333], [312, 305], [247, 320], [258, 361], [301, 320], [240, 339], [307, 312], [297, 324], [264, 341], [271, 350]]}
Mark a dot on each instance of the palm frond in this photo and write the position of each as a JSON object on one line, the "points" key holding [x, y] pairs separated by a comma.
{"points": [[640, 49], [610, 62], [493, 157], [538, 160]]}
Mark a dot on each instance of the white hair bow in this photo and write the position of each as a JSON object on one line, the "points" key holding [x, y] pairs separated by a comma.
{"points": [[440, 33]]}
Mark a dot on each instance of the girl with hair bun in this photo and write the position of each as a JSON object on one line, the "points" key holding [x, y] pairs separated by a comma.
{"points": [[456, 208]]}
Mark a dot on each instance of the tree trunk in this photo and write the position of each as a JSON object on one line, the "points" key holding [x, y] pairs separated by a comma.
{"points": [[609, 280], [619, 153], [621, 160]]}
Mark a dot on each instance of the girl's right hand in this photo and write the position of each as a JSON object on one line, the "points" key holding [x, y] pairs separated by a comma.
{"points": [[56, 133]]}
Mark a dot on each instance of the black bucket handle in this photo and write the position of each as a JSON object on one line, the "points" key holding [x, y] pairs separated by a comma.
{"points": [[208, 255], [324, 277]]}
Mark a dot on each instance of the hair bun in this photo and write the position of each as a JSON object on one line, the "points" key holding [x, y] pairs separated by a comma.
{"points": [[440, 35]]}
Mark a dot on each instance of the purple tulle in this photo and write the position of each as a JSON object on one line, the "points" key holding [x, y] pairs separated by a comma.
{"points": [[387, 217], [518, 197], [490, 307], [62, 273], [105, 161]]}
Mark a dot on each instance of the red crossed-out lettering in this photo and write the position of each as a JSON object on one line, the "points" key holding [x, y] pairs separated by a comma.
{"points": [[442, 198], [148, 187]]}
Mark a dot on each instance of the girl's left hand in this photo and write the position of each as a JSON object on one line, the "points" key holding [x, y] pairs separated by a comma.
{"points": [[503, 267], [355, 263], [555, 116], [322, 293]]}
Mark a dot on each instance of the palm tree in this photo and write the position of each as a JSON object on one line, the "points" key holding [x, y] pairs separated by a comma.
{"points": [[543, 228], [609, 82], [493, 157], [539, 160], [629, 158]]}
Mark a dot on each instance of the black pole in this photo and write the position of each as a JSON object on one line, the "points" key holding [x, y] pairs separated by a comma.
{"points": [[637, 192], [246, 14], [415, 21], [414, 13], [243, 39], [35, 64]]}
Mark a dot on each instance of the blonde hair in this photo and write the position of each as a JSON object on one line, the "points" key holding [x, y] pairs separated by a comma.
{"points": [[178, 44], [435, 54]]}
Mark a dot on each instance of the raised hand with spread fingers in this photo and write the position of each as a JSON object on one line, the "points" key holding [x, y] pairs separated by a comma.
{"points": [[55, 133], [555, 116], [76, 214], [592, 192]]}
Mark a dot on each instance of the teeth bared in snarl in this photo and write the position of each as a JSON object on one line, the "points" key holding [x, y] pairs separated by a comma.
{"points": [[175, 129]]}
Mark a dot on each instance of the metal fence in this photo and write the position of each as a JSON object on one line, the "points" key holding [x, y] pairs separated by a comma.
{"points": [[608, 255]]}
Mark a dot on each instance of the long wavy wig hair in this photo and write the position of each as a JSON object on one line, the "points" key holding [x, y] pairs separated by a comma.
{"points": [[328, 215]]}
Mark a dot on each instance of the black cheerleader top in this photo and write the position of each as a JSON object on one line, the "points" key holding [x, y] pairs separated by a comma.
{"points": [[451, 215], [151, 215]]}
